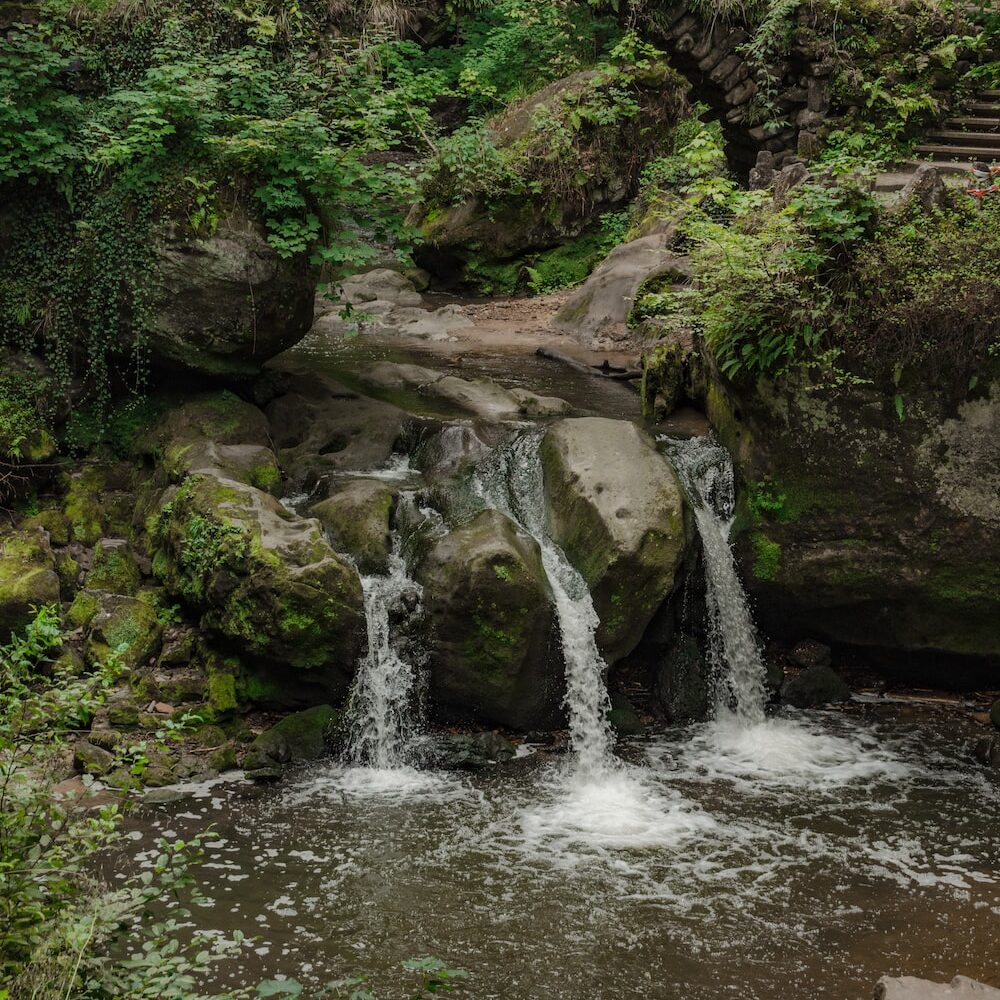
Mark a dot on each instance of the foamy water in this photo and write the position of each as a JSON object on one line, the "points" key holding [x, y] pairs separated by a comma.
{"points": [[808, 855]]}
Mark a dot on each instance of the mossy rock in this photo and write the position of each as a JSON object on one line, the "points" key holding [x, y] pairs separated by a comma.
{"points": [[28, 578], [125, 628], [54, 521], [357, 517], [491, 625], [262, 578], [865, 530], [682, 684], [82, 504], [815, 686], [616, 508], [302, 736], [114, 569], [623, 717]]}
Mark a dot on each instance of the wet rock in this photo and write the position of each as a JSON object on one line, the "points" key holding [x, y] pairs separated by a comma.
{"points": [[299, 737], [28, 578], [226, 304], [616, 508], [987, 751], [264, 579], [490, 616], [995, 713], [162, 796], [910, 988], [623, 717], [480, 397], [810, 653], [319, 426], [815, 686], [682, 682], [472, 751], [357, 518], [597, 312]]}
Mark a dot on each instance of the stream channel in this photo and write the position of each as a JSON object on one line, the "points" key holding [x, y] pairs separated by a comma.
{"points": [[754, 855]]}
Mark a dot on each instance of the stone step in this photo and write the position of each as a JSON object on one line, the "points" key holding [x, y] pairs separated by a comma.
{"points": [[990, 140], [983, 108], [935, 151], [992, 94], [944, 166], [986, 124]]}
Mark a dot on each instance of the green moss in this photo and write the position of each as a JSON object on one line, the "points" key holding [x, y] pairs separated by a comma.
{"points": [[82, 505], [83, 609], [767, 557], [265, 477], [504, 571], [221, 688], [114, 570]]}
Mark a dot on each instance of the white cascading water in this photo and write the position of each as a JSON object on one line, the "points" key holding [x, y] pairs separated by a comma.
{"points": [[706, 471], [381, 712], [510, 480]]}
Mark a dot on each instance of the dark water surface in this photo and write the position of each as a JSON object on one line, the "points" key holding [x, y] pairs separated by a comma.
{"points": [[802, 858]]}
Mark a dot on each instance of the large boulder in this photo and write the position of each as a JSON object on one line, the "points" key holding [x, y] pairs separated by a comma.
{"points": [[224, 304], [818, 685], [615, 507], [491, 626], [597, 312], [299, 737], [265, 581], [320, 427], [862, 529], [28, 578]]}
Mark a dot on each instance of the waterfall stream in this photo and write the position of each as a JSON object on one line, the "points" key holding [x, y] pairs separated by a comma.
{"points": [[706, 472], [381, 714], [510, 480]]}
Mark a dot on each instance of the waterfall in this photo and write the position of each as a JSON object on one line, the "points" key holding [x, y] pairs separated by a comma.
{"points": [[510, 480], [381, 714], [706, 471]]}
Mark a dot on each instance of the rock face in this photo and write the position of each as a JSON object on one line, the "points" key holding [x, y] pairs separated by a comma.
{"points": [[492, 634], [597, 311], [615, 507], [226, 304], [863, 529]]}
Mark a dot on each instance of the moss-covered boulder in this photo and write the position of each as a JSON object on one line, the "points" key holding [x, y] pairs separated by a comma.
{"points": [[300, 737], [561, 157], [491, 628], [262, 579], [28, 577], [860, 528], [98, 501], [225, 304], [215, 431], [615, 507], [114, 568], [356, 517], [126, 628]]}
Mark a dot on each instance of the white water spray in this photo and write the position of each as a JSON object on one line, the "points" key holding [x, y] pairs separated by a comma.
{"points": [[510, 480], [381, 707], [706, 470]]}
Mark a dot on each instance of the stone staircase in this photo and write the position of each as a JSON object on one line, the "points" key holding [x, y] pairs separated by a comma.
{"points": [[954, 146]]}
